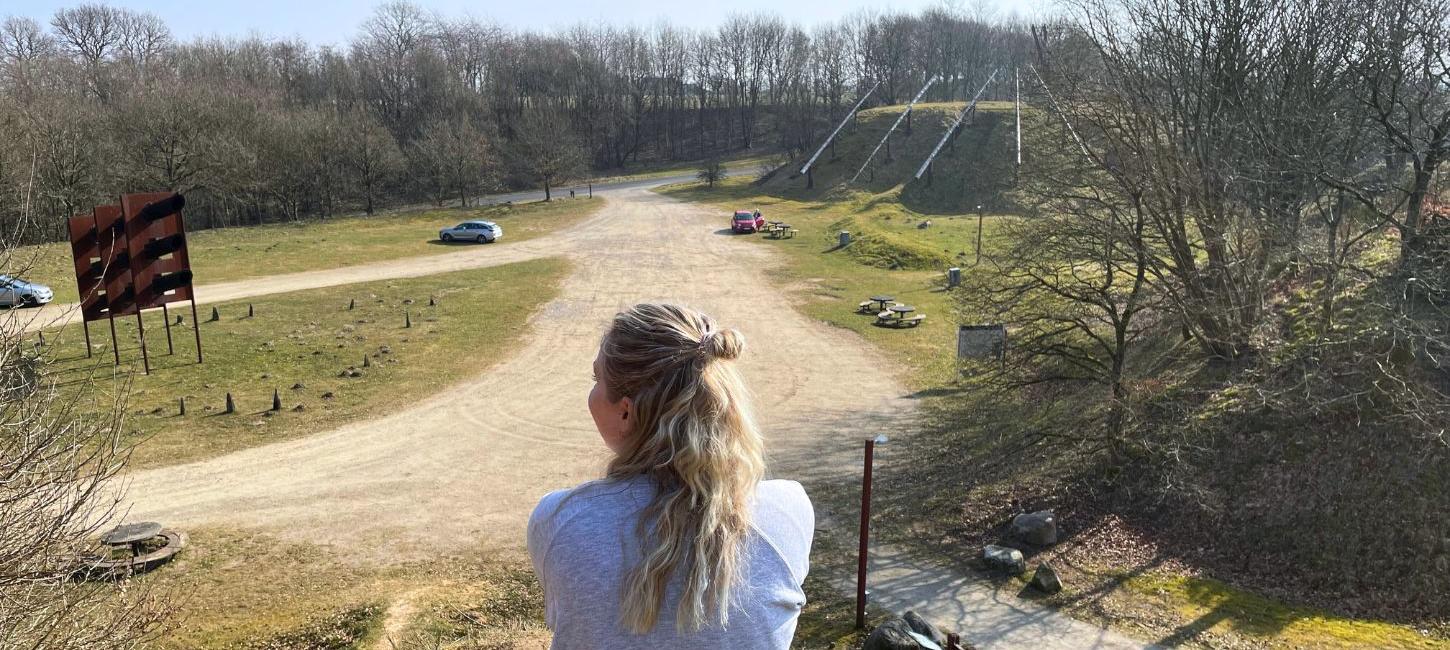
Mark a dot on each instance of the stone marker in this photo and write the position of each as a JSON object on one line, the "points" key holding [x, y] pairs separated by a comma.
{"points": [[896, 634], [922, 627], [276, 400], [231, 404], [351, 303], [215, 315], [844, 237], [1045, 579], [407, 319], [367, 363], [1037, 528], [1004, 559], [954, 277], [181, 403]]}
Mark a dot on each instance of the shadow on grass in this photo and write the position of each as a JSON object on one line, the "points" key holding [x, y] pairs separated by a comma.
{"points": [[455, 242]]}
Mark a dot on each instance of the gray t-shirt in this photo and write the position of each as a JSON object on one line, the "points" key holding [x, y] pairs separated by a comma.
{"points": [[583, 548]]}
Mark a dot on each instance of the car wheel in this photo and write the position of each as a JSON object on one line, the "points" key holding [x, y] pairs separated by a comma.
{"points": [[447, 237], [483, 239], [489, 241], [29, 301]]}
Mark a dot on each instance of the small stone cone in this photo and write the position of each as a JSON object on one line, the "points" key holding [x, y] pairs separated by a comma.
{"points": [[181, 403], [215, 315], [407, 319], [42, 338], [178, 319], [367, 363], [231, 404], [276, 400], [250, 312], [351, 304], [432, 302]]}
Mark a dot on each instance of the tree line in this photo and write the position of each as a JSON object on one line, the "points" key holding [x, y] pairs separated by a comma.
{"points": [[96, 100]]}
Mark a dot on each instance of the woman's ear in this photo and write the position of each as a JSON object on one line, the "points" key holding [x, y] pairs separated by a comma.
{"points": [[627, 405]]}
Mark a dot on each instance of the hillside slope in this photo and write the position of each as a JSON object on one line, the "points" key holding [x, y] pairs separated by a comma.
{"points": [[974, 169]]}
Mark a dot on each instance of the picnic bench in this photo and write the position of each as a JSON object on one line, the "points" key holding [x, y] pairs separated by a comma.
{"points": [[896, 316], [778, 230]]}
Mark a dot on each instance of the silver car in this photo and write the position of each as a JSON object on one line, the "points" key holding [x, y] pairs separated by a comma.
{"points": [[483, 232], [15, 292]]}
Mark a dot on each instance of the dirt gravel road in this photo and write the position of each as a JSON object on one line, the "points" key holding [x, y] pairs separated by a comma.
{"points": [[467, 465]]}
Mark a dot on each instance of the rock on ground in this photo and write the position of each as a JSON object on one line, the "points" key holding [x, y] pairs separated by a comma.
{"points": [[1036, 528], [1005, 559], [1045, 579]]}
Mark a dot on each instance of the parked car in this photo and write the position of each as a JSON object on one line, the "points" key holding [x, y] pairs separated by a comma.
{"points": [[483, 232], [746, 221], [15, 292]]}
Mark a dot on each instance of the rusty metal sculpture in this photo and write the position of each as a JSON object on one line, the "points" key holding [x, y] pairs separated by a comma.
{"points": [[132, 257]]}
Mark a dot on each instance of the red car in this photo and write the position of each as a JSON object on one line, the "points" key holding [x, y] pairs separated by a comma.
{"points": [[746, 221]]}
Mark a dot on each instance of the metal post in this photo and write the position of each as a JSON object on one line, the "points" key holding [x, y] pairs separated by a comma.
{"points": [[166, 322], [810, 179], [115, 348], [865, 535], [196, 327], [979, 235], [1017, 108], [86, 326], [141, 334]]}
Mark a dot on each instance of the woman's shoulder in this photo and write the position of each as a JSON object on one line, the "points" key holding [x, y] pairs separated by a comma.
{"points": [[783, 506], [783, 492], [596, 497], [785, 519]]}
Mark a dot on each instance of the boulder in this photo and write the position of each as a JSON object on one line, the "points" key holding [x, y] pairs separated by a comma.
{"points": [[897, 634], [1036, 528], [1004, 559], [1045, 579], [894, 634], [922, 627]]}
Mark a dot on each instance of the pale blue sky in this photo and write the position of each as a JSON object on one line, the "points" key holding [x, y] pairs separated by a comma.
{"points": [[335, 21]]}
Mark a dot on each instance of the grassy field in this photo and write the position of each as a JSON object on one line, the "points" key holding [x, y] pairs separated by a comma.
{"points": [[238, 589], [225, 254], [901, 259], [303, 344]]}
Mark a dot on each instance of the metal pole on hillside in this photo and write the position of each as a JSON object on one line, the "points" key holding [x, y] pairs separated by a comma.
{"points": [[831, 139], [865, 530], [1017, 108], [895, 124], [967, 110]]}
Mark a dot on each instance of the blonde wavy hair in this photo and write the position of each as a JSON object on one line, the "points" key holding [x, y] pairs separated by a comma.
{"points": [[694, 436]]}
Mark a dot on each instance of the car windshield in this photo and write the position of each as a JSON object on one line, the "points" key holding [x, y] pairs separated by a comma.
{"points": [[745, 217], [461, 226]]}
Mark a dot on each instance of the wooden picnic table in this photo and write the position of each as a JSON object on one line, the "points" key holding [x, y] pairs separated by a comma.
{"points": [[132, 535], [902, 310], [881, 301]]}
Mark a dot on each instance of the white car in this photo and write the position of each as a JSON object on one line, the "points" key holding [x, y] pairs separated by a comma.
{"points": [[483, 232], [15, 292]]}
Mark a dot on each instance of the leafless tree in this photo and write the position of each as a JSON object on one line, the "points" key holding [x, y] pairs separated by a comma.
{"points": [[58, 469]]}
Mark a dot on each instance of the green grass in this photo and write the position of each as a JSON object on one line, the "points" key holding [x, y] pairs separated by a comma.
{"points": [[308, 338], [839, 278], [225, 254], [974, 169], [232, 588], [740, 165], [1213, 605]]}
